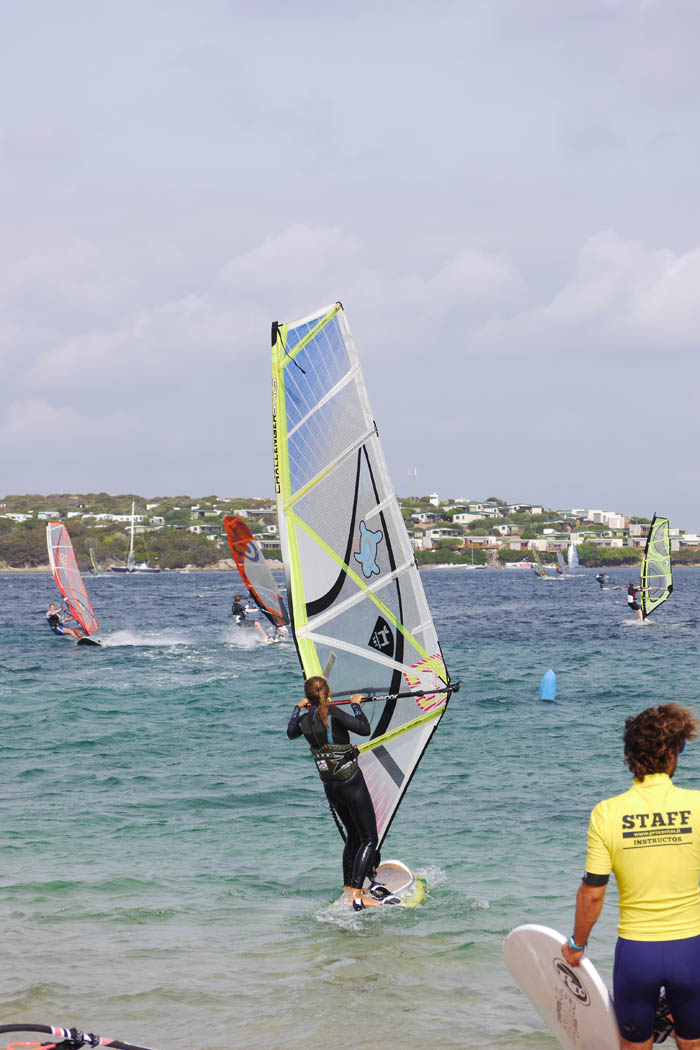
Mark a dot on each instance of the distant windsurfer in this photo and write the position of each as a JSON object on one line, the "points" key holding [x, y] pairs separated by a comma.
{"points": [[327, 731], [57, 622], [649, 837], [603, 579], [632, 592], [240, 612]]}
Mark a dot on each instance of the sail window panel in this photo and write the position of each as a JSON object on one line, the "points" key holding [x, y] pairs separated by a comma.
{"points": [[324, 436], [387, 770], [368, 646], [324, 362]]}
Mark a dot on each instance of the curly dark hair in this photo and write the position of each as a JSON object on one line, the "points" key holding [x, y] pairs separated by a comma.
{"points": [[655, 736]]}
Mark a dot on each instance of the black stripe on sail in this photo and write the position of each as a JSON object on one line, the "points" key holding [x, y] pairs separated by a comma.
{"points": [[393, 768], [319, 605], [390, 706]]}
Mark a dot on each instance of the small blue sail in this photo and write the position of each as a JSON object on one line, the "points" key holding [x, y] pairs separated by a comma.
{"points": [[548, 685]]}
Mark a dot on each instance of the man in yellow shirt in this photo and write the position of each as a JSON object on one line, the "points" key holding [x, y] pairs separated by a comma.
{"points": [[649, 837]]}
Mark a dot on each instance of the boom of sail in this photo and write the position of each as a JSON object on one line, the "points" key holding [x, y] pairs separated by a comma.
{"points": [[657, 577], [67, 576], [358, 610], [255, 572]]}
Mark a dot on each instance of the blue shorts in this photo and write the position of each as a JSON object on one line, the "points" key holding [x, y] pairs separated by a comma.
{"points": [[58, 629], [641, 969]]}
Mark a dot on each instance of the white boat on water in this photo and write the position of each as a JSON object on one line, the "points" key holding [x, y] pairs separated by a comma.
{"points": [[131, 565]]}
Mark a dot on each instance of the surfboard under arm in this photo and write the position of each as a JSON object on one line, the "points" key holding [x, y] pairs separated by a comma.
{"points": [[573, 1001]]}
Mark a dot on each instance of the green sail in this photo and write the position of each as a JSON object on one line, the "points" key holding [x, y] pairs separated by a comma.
{"points": [[657, 577]]}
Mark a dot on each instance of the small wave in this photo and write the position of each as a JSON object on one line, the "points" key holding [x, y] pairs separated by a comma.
{"points": [[432, 875], [242, 638], [153, 638]]}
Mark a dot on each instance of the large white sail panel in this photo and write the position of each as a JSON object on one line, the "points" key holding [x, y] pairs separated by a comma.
{"points": [[357, 603]]}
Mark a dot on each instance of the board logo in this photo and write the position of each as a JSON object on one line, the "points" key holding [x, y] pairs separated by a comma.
{"points": [[367, 554], [382, 637], [571, 982]]}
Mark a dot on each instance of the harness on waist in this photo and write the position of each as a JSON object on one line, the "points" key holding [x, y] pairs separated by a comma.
{"points": [[336, 761]]}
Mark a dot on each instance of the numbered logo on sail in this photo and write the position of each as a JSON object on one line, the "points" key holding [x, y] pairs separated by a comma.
{"points": [[367, 554], [382, 637]]}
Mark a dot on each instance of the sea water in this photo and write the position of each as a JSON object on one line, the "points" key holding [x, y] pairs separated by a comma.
{"points": [[168, 861]]}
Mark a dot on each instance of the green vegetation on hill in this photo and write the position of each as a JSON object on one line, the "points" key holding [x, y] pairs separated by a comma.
{"points": [[24, 546], [448, 556]]}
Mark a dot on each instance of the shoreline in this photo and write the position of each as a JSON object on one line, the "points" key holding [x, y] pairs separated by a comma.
{"points": [[186, 569]]}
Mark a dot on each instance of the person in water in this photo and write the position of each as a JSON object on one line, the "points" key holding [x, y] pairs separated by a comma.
{"points": [[649, 837], [327, 731], [240, 613], [632, 592], [603, 579], [57, 622]]}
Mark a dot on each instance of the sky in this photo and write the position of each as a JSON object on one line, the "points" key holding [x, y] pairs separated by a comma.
{"points": [[503, 194]]}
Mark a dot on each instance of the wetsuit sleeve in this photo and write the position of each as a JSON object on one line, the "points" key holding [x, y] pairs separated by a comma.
{"points": [[598, 858], [294, 729], [355, 722]]}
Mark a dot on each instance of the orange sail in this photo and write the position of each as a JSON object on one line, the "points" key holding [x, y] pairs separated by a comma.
{"points": [[255, 572], [67, 576]]}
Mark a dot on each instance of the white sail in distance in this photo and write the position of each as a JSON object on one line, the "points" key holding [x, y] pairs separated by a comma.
{"points": [[357, 605]]}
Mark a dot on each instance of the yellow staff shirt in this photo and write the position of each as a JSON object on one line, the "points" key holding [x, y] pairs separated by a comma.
{"points": [[650, 838]]}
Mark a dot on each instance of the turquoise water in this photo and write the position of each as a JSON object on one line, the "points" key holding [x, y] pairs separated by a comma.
{"points": [[168, 858]]}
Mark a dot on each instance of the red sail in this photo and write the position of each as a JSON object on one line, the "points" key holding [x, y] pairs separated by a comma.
{"points": [[67, 576], [255, 571]]}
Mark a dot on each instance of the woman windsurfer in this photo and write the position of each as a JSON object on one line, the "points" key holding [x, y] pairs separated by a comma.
{"points": [[337, 760]]}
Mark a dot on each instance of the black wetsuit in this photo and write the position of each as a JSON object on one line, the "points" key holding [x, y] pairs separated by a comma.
{"points": [[350, 797], [632, 593], [238, 612], [53, 621]]}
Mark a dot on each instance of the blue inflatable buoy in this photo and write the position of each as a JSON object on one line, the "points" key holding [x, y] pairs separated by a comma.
{"points": [[548, 685]]}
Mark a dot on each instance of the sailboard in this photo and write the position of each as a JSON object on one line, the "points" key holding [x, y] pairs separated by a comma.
{"points": [[94, 568], [67, 576], [255, 572], [657, 576], [573, 558], [358, 610]]}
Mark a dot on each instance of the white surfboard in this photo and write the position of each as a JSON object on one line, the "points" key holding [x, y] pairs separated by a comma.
{"points": [[572, 1000], [400, 881]]}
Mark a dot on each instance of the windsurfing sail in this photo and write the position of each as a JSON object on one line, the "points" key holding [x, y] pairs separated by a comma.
{"points": [[255, 572], [657, 577], [67, 576], [94, 569], [358, 610], [560, 561], [574, 560], [537, 566]]}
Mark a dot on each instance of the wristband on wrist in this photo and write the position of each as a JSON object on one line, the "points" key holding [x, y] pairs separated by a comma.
{"points": [[575, 946]]}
